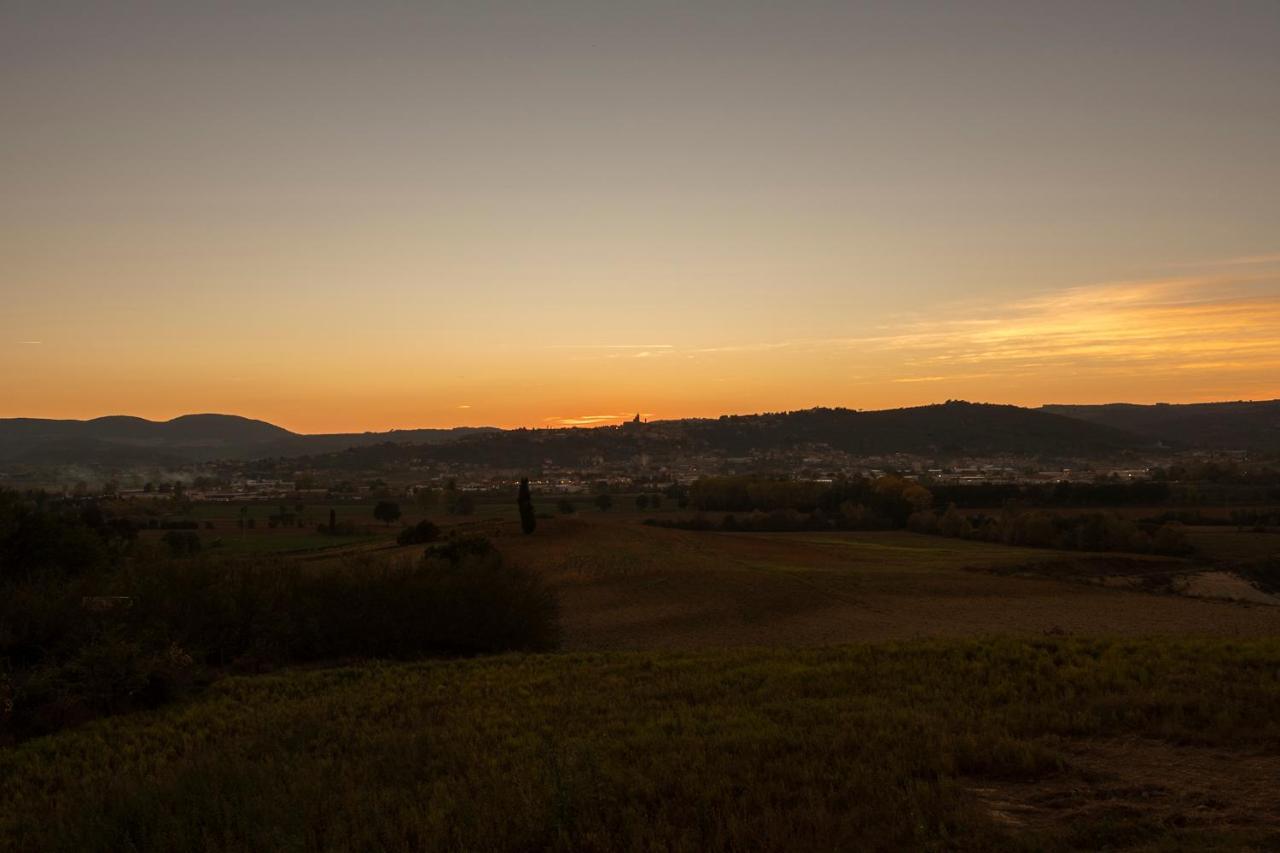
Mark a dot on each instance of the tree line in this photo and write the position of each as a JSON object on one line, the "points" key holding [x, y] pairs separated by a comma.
{"points": [[891, 502], [96, 619]]}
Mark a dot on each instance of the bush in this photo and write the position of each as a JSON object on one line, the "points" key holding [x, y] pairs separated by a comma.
{"points": [[420, 534], [460, 546], [386, 511]]}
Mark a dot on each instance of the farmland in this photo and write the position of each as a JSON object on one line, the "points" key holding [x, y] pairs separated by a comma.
{"points": [[979, 745], [716, 691], [628, 586], [624, 585]]}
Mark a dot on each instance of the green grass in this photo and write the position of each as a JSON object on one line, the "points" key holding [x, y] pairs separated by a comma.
{"points": [[866, 747]]}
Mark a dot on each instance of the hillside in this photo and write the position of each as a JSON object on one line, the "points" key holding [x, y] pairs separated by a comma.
{"points": [[953, 428], [1222, 426], [122, 440], [943, 430]]}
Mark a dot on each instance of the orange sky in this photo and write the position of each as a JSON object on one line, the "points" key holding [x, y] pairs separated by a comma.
{"points": [[400, 216]]}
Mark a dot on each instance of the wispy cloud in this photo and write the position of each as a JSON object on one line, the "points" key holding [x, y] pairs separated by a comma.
{"points": [[595, 420], [1176, 324], [1219, 327], [609, 346]]}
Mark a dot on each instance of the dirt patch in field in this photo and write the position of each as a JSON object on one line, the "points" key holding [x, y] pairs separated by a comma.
{"points": [[1225, 585], [1133, 783]]}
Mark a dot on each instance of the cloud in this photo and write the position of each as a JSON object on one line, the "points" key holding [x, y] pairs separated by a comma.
{"points": [[595, 420], [1210, 323], [588, 420], [610, 346], [1214, 332]]}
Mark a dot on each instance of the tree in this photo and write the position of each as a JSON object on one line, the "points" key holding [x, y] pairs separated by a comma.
{"points": [[528, 520], [386, 511], [333, 520], [604, 503], [953, 523], [457, 502], [566, 506], [642, 501]]}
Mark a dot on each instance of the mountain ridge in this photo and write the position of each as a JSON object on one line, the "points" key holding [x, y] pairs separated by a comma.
{"points": [[951, 427]]}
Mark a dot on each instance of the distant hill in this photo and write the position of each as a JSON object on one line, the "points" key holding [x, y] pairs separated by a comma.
{"points": [[1221, 426], [945, 430], [122, 440], [954, 427]]}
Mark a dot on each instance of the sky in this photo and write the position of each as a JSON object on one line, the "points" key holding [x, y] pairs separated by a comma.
{"points": [[376, 215]]}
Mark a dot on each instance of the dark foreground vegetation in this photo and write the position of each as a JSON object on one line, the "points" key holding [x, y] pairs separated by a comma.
{"points": [[95, 622], [882, 747]]}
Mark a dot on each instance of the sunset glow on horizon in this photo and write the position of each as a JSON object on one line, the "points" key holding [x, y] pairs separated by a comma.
{"points": [[390, 216]]}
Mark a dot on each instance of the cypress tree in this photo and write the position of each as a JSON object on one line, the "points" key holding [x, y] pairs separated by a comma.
{"points": [[528, 521]]}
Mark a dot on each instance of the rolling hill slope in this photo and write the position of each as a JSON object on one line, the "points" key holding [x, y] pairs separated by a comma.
{"points": [[122, 440], [1244, 425]]}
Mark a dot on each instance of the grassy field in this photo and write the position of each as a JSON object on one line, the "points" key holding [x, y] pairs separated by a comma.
{"points": [[623, 585], [1044, 745], [721, 691]]}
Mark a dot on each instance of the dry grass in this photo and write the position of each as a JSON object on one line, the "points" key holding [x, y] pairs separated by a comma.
{"points": [[943, 745], [624, 585]]}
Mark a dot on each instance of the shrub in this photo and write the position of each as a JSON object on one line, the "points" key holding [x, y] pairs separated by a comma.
{"points": [[953, 523], [386, 511], [420, 534], [460, 546]]}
